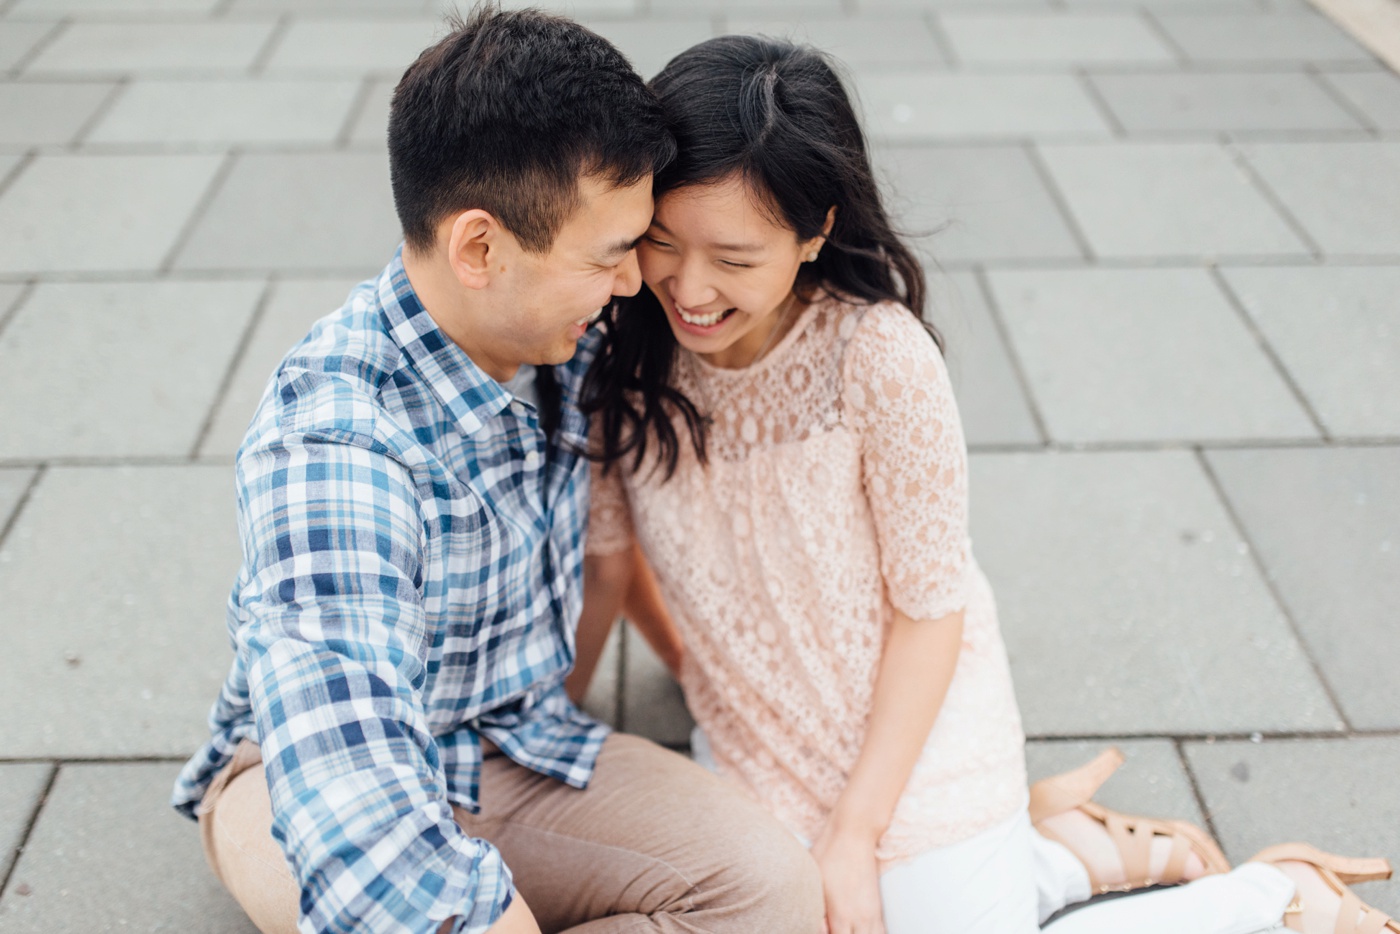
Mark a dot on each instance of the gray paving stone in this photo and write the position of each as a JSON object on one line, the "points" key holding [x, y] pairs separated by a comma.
{"points": [[1152, 781], [1337, 330], [114, 582], [312, 211], [21, 784], [291, 310], [652, 703], [1326, 524], [372, 124], [974, 203], [37, 114], [1375, 93], [357, 46], [236, 112], [344, 7], [13, 482], [577, 9], [1128, 602], [18, 39], [1261, 37], [1167, 199], [990, 400], [1337, 794], [1221, 102], [9, 292], [152, 48], [108, 853], [117, 369], [651, 44], [1346, 195], [1052, 38], [794, 8], [603, 693], [867, 42], [1181, 366], [50, 220], [105, 8], [1034, 6], [914, 105]]}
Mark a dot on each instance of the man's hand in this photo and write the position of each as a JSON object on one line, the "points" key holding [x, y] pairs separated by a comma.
{"points": [[850, 882], [518, 919]]}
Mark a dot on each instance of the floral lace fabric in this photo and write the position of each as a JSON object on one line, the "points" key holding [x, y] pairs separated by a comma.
{"points": [[836, 491]]}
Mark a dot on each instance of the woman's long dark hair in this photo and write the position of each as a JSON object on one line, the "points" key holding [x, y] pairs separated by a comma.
{"points": [[776, 115]]}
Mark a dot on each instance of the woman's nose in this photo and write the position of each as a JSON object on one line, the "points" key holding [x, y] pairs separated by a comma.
{"points": [[689, 288]]}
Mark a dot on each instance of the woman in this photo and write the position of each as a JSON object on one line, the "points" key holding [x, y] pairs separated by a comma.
{"points": [[783, 446]]}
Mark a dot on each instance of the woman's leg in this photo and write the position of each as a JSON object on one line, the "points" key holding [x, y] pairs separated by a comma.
{"points": [[985, 885], [1247, 900]]}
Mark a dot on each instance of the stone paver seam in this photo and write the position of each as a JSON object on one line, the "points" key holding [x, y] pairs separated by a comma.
{"points": [[1160, 31], [269, 48], [244, 340], [1257, 559], [1091, 91], [8, 179], [620, 701], [48, 39], [23, 500], [7, 314], [1062, 204], [1275, 201], [941, 40], [1195, 784], [1018, 368], [356, 111], [28, 828], [1262, 340], [1340, 99], [201, 207], [103, 109]]}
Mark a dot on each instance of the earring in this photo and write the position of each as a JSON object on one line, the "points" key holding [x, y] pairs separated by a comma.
{"points": [[812, 256]]}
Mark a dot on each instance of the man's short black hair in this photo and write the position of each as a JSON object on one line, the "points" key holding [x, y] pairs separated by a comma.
{"points": [[506, 114]]}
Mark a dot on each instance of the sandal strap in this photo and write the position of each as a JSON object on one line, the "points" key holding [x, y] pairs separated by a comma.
{"points": [[1373, 922], [1134, 843]]}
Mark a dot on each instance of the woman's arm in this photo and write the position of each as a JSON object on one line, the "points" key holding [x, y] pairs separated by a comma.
{"points": [[606, 578], [646, 610], [915, 670]]}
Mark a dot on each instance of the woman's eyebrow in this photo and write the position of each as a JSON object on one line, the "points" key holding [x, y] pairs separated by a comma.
{"points": [[726, 247]]}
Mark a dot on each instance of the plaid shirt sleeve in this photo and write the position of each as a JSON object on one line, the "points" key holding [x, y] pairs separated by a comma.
{"points": [[333, 536]]}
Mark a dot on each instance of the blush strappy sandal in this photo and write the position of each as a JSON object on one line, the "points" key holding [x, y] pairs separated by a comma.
{"points": [[1132, 835], [1339, 872]]}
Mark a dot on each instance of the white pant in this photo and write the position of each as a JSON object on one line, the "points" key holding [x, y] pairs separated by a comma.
{"points": [[1009, 879]]}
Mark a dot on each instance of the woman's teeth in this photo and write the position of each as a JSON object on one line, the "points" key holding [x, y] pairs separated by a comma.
{"points": [[702, 321]]}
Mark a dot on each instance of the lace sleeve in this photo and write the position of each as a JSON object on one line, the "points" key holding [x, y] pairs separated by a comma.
{"points": [[898, 399], [609, 515]]}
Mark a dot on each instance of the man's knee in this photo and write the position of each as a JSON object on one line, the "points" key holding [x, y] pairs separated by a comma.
{"points": [[770, 884]]}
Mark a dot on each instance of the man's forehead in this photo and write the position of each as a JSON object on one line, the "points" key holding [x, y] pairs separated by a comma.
{"points": [[610, 218]]}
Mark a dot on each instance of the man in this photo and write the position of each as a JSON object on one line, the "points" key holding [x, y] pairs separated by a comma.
{"points": [[412, 538]]}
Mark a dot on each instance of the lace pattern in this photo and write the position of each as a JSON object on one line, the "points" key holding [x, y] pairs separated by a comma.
{"points": [[836, 492]]}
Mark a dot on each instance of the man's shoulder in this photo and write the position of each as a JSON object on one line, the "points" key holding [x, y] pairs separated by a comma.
{"points": [[335, 379]]}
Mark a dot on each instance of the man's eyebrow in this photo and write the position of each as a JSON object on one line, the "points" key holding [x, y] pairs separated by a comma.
{"points": [[621, 248], [724, 247]]}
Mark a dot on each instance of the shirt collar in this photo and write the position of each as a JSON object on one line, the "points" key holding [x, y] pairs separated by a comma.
{"points": [[470, 396]]}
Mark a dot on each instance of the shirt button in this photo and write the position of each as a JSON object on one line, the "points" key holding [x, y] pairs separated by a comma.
{"points": [[532, 460]]}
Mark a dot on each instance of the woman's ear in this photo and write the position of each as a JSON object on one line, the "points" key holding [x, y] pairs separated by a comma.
{"points": [[474, 245], [813, 247], [830, 221]]}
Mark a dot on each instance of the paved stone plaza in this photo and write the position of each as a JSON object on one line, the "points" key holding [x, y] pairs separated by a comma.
{"points": [[1168, 242]]}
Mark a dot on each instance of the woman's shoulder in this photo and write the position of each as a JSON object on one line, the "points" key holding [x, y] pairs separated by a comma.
{"points": [[881, 334]]}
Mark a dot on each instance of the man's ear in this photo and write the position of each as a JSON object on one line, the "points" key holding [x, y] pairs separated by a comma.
{"points": [[475, 243]]}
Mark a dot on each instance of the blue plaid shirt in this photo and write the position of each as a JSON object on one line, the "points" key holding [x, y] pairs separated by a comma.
{"points": [[411, 579]]}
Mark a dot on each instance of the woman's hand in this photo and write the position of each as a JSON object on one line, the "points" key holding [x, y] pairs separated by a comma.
{"points": [[850, 881]]}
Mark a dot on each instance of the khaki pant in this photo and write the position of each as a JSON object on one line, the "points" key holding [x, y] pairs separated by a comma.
{"points": [[655, 843]]}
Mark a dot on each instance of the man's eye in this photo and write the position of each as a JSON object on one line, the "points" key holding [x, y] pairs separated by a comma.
{"points": [[655, 242], [735, 265]]}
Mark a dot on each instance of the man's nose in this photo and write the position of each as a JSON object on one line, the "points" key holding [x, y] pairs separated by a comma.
{"points": [[629, 276]]}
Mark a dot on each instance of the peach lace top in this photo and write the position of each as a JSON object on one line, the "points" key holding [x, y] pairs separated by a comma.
{"points": [[836, 490]]}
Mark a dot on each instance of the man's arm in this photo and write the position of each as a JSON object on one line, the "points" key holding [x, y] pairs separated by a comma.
{"points": [[337, 650]]}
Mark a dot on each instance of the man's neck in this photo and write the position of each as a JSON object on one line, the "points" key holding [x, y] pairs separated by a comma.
{"points": [[452, 309]]}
